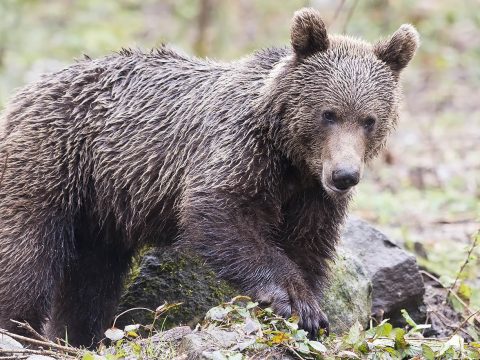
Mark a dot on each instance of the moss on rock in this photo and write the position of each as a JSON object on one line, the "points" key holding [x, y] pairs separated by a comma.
{"points": [[164, 275]]}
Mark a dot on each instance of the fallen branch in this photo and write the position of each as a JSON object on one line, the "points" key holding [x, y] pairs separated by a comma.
{"points": [[48, 344], [31, 330]]}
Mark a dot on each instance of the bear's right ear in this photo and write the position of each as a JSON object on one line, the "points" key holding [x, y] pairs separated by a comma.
{"points": [[308, 33]]}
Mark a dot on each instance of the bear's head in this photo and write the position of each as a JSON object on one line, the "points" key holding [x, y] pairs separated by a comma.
{"points": [[336, 98]]}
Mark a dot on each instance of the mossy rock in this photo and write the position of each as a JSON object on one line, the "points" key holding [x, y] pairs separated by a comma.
{"points": [[164, 275], [348, 297]]}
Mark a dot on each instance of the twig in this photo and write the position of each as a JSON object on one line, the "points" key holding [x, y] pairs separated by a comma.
{"points": [[48, 344], [29, 328], [448, 324], [472, 313], [127, 311], [294, 351], [459, 328], [467, 259], [448, 290]]}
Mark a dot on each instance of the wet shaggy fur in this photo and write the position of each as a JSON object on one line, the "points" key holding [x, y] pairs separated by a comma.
{"points": [[229, 159]]}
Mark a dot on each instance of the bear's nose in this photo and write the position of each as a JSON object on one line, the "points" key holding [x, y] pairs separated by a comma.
{"points": [[345, 178]]}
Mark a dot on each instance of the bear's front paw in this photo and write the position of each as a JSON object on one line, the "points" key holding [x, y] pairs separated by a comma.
{"points": [[295, 299], [312, 318]]}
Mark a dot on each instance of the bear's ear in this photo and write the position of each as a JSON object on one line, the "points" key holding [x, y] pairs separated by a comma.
{"points": [[308, 33], [397, 51]]}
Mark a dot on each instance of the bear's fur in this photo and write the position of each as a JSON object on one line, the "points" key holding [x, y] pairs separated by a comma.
{"points": [[249, 163]]}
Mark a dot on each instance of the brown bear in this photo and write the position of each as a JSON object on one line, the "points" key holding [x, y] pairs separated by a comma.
{"points": [[249, 163]]}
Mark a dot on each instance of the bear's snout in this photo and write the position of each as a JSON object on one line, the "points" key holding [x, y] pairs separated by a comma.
{"points": [[344, 178]]}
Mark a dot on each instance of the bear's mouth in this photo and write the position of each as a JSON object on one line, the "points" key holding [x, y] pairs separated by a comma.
{"points": [[337, 192]]}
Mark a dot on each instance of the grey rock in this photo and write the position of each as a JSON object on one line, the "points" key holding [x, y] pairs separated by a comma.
{"points": [[396, 281], [177, 333], [8, 343], [204, 344], [193, 346]]}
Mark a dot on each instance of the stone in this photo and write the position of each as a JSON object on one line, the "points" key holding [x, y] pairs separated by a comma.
{"points": [[348, 297], [8, 343], [396, 281], [177, 333], [166, 276]]}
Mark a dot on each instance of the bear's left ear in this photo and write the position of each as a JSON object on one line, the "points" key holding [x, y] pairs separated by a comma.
{"points": [[308, 33], [397, 51]]}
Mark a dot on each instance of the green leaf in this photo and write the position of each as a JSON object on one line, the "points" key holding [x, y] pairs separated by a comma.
{"points": [[455, 343], [464, 292], [400, 342], [363, 347], [383, 330], [300, 335], [393, 352], [136, 348], [383, 342], [408, 319], [243, 312], [291, 325], [428, 353], [303, 348], [217, 313], [88, 356], [317, 346], [472, 354], [251, 305], [280, 338], [354, 334]]}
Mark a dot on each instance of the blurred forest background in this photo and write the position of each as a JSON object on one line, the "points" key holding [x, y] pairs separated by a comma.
{"points": [[425, 189]]}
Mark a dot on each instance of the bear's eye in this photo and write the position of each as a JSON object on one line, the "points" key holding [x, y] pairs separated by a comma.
{"points": [[329, 117], [369, 123]]}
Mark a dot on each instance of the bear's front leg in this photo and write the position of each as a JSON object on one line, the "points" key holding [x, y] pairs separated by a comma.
{"points": [[309, 234], [236, 238]]}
